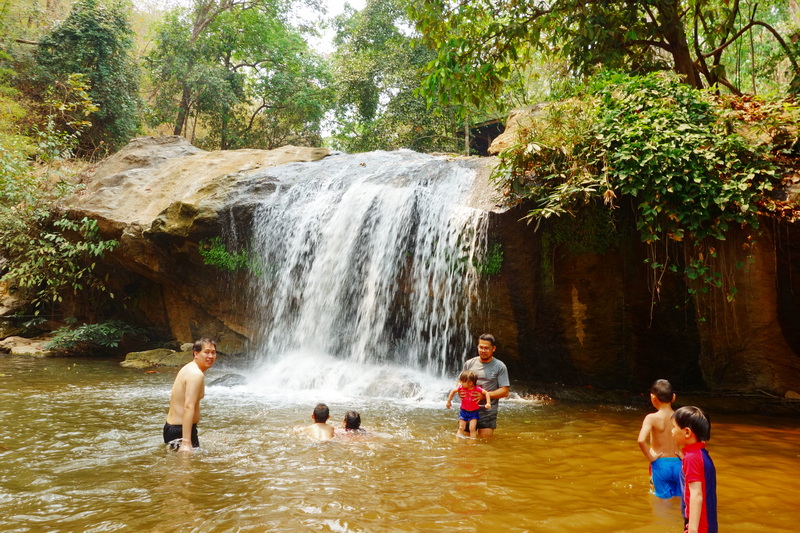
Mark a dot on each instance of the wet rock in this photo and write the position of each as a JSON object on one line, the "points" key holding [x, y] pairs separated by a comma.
{"points": [[229, 380]]}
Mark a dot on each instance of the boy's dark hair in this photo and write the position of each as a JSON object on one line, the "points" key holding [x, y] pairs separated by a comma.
{"points": [[352, 420], [695, 419], [662, 389], [199, 343], [321, 413]]}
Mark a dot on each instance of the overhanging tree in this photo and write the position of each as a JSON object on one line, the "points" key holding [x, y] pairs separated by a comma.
{"points": [[480, 42]]}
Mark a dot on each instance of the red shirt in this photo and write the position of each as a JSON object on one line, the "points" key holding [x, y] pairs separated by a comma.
{"points": [[468, 403], [698, 466]]}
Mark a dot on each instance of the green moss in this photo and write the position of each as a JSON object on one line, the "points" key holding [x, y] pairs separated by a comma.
{"points": [[491, 262]]}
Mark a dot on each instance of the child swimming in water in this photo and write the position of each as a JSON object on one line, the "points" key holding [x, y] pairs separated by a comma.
{"points": [[470, 402]]}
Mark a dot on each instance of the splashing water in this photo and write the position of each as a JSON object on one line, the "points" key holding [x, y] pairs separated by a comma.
{"points": [[367, 260]]}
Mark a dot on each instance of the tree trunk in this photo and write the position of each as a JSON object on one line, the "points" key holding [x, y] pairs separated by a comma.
{"points": [[183, 112], [675, 34]]}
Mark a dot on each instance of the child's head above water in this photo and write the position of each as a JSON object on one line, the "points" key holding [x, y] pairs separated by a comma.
{"points": [[468, 379], [352, 420], [662, 390], [321, 413]]}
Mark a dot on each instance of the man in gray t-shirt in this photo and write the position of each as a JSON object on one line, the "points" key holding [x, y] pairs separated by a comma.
{"points": [[493, 377]]}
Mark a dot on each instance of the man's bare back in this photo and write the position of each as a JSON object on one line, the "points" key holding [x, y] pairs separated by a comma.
{"points": [[189, 383]]}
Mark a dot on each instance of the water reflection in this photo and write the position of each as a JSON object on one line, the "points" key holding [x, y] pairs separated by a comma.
{"points": [[81, 450]]}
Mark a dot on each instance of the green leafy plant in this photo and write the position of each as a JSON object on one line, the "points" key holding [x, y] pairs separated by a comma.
{"points": [[58, 258], [216, 254], [96, 40], [68, 107], [91, 338], [660, 144]]}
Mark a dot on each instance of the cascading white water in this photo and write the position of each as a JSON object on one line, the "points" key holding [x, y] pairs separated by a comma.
{"points": [[367, 262]]}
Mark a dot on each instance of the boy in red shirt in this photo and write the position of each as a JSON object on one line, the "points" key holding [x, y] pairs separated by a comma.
{"points": [[691, 428], [470, 404]]}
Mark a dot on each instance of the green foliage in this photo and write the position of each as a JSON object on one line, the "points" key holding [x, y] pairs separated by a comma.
{"points": [[243, 71], [377, 73], [91, 338], [10, 109], [666, 147], [216, 254], [68, 106], [96, 40], [482, 45], [59, 257], [47, 254]]}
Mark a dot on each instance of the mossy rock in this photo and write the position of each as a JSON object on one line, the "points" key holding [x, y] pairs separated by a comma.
{"points": [[159, 357]]}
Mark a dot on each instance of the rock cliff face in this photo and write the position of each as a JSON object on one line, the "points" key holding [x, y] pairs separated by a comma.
{"points": [[160, 197], [568, 314], [568, 305]]}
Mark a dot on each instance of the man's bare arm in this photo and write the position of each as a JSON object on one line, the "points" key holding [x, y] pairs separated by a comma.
{"points": [[501, 392], [191, 404]]}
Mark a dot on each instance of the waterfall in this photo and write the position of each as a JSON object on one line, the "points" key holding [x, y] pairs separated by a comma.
{"points": [[366, 261]]}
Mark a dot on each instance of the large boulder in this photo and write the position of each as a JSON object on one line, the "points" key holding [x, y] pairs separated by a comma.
{"points": [[160, 197], [36, 347], [158, 357], [518, 120]]}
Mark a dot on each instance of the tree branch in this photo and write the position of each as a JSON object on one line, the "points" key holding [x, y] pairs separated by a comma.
{"points": [[749, 25]]}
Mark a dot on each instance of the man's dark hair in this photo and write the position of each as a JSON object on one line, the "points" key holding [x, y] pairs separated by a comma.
{"points": [[352, 420], [662, 389], [695, 419], [488, 337], [199, 343], [321, 413]]}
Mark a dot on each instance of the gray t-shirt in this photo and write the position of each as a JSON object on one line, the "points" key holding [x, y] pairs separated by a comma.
{"points": [[491, 376]]}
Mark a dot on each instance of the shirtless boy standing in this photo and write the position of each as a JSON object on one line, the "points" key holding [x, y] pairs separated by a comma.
{"points": [[180, 431], [663, 453]]}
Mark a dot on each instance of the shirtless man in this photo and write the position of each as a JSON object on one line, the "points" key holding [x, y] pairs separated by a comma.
{"points": [[665, 465], [180, 431], [319, 430]]}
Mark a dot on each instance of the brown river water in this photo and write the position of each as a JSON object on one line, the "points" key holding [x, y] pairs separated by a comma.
{"points": [[81, 450]]}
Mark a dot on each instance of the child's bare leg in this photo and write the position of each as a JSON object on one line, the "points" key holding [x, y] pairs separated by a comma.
{"points": [[462, 425], [473, 429]]}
